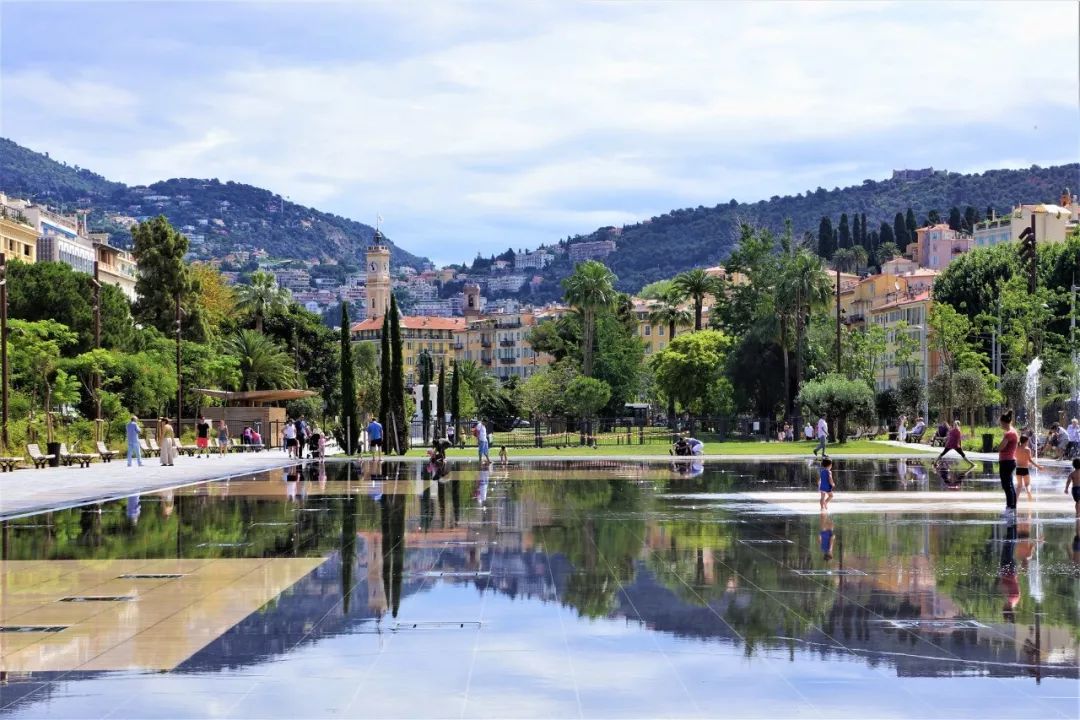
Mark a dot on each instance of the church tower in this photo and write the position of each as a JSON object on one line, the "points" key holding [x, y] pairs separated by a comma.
{"points": [[378, 277]]}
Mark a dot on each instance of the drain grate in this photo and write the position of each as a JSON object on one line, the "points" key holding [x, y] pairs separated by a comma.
{"points": [[271, 524], [468, 543], [452, 574], [948, 624], [222, 545], [829, 573], [98, 598], [765, 541], [151, 576], [435, 625], [32, 628]]}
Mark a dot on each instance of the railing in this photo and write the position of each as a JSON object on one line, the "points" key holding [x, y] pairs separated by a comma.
{"points": [[506, 360], [507, 343], [485, 343]]}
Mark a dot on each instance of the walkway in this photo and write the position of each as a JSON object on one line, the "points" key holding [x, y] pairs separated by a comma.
{"points": [[980, 456], [28, 491]]}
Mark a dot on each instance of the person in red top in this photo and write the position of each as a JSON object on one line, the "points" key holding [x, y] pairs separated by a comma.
{"points": [[953, 442], [1007, 460]]}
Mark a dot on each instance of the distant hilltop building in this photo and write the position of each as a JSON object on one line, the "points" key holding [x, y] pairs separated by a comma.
{"points": [[908, 175], [594, 250], [1053, 223], [538, 260]]}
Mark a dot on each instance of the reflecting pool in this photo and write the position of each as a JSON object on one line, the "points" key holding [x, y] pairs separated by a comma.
{"points": [[560, 589]]}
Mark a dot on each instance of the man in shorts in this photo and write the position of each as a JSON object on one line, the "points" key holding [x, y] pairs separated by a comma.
{"points": [[202, 437], [375, 438], [482, 442]]}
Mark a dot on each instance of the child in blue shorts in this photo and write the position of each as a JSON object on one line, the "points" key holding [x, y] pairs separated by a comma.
{"points": [[825, 483]]}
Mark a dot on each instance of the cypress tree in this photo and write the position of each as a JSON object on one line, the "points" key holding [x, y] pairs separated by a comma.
{"points": [[956, 220], [455, 403], [384, 378], [426, 372], [864, 239], [885, 235], [397, 381], [825, 246], [900, 231], [350, 417], [971, 218], [844, 232], [440, 403], [933, 217], [912, 226], [990, 212]]}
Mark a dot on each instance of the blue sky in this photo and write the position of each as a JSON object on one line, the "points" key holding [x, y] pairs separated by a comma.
{"points": [[481, 126]]}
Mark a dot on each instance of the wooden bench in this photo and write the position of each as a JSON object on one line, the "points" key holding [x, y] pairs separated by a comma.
{"points": [[70, 458], [147, 451], [39, 459], [9, 464], [106, 454]]}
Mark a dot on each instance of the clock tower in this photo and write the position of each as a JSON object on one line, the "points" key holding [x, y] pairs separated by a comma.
{"points": [[378, 277]]}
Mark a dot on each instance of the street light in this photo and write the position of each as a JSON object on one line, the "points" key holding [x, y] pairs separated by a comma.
{"points": [[3, 352], [95, 283]]}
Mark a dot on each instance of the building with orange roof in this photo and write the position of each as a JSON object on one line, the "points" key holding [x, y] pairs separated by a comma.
{"points": [[440, 336], [936, 246], [907, 312]]}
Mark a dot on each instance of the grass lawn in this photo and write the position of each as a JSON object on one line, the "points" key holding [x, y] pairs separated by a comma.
{"points": [[859, 447]]}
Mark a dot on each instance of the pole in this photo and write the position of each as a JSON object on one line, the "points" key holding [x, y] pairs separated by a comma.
{"points": [[3, 351], [838, 317]]}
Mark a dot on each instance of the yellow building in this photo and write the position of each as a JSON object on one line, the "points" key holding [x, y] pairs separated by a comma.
{"points": [[440, 336], [18, 238], [115, 265], [913, 308], [656, 336]]}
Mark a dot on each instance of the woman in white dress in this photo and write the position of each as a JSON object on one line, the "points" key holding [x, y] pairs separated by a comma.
{"points": [[901, 428]]}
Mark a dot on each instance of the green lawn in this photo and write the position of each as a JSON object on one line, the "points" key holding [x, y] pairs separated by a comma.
{"points": [[860, 447]]}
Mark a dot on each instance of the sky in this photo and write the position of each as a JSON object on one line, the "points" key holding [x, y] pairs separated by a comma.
{"points": [[474, 126]]}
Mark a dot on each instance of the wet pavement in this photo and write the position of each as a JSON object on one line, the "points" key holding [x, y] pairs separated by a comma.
{"points": [[569, 589]]}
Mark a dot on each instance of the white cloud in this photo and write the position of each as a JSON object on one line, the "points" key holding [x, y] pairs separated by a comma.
{"points": [[494, 113]]}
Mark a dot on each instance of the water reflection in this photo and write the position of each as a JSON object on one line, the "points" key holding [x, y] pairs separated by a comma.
{"points": [[920, 593]]}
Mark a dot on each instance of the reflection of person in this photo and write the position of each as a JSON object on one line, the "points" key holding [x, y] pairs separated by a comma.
{"points": [[133, 509], [1007, 461], [1010, 587], [1076, 542], [1073, 481], [482, 487], [827, 536], [133, 434], [1024, 463], [951, 479], [825, 483]]}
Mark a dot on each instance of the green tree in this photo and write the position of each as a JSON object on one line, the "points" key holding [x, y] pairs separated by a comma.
{"points": [[440, 403], [844, 233], [885, 235], [696, 284], [261, 297], [397, 382], [910, 394], [34, 355], [589, 289], [585, 396], [838, 399], [350, 417], [386, 371], [971, 392], [933, 218], [427, 367], [690, 368], [163, 277], [910, 224], [670, 311], [263, 364], [825, 245], [900, 231], [544, 393], [455, 400], [956, 220]]}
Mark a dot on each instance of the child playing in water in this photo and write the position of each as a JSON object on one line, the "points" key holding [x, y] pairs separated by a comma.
{"points": [[503, 458], [1024, 463], [825, 483], [1074, 481]]}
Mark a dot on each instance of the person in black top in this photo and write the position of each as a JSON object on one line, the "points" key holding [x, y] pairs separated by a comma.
{"points": [[202, 437]]}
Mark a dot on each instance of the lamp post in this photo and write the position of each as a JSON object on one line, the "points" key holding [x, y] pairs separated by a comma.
{"points": [[179, 383], [95, 282], [837, 317]]}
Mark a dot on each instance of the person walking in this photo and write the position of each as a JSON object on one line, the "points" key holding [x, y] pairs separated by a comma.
{"points": [[1007, 461], [133, 435], [167, 443], [288, 435], [953, 441], [822, 436], [1024, 462], [202, 437], [375, 438], [482, 449], [223, 438]]}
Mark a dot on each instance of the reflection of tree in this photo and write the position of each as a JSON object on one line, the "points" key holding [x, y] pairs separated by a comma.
{"points": [[348, 549], [602, 549], [393, 548]]}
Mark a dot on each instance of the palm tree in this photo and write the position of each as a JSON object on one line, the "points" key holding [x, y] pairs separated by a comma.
{"points": [[845, 259], [261, 297], [590, 288], [481, 386], [669, 310], [263, 364], [696, 284], [805, 281]]}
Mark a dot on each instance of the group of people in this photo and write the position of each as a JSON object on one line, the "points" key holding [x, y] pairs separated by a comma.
{"points": [[1063, 443], [687, 445], [1015, 460], [297, 435], [202, 437]]}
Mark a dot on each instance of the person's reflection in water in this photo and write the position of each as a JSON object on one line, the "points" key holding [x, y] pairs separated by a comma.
{"points": [[455, 499], [827, 536], [482, 488], [1010, 586], [134, 509], [1076, 544], [290, 484], [950, 478]]}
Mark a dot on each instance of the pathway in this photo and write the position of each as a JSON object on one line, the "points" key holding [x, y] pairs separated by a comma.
{"points": [[980, 456], [28, 491]]}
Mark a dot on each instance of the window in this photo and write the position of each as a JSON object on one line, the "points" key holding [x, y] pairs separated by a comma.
{"points": [[648, 330]]}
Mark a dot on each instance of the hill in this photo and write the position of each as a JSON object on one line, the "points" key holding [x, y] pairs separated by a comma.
{"points": [[219, 217], [693, 237]]}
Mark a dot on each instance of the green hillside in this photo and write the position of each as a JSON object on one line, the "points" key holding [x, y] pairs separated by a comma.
{"points": [[228, 215]]}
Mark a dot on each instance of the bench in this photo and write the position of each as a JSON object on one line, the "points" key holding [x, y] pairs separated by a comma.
{"points": [[39, 459], [146, 449], [70, 458], [9, 464], [106, 454], [915, 437], [938, 441]]}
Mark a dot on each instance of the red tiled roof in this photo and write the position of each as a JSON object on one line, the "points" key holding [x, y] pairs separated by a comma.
{"points": [[906, 300], [414, 322]]}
